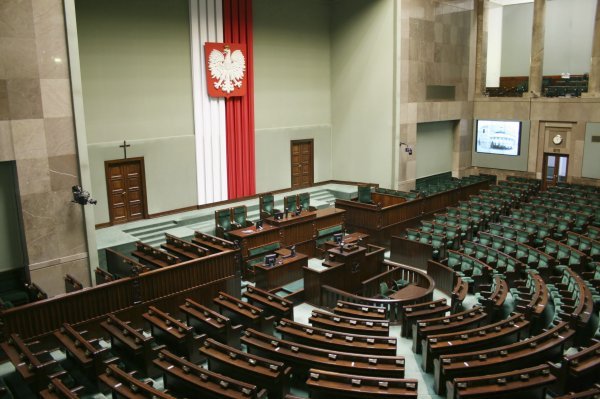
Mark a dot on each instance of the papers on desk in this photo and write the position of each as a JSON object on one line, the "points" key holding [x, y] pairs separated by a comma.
{"points": [[247, 231]]}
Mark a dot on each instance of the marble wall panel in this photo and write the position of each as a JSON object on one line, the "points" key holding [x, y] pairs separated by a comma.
{"points": [[29, 139], [4, 111], [6, 148], [24, 98]]}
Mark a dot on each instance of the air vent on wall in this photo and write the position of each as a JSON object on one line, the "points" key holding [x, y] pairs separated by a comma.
{"points": [[438, 92], [595, 139]]}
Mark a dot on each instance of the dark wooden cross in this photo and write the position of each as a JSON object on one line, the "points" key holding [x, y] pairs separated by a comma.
{"points": [[124, 147]]}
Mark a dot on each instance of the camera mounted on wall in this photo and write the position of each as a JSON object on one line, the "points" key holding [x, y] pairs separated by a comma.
{"points": [[82, 197], [407, 149]]}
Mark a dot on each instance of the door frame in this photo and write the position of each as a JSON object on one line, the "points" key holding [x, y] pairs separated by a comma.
{"points": [[312, 160], [142, 180], [556, 168]]}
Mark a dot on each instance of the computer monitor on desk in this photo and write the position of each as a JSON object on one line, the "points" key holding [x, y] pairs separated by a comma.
{"points": [[270, 260], [338, 237], [259, 224], [279, 216]]}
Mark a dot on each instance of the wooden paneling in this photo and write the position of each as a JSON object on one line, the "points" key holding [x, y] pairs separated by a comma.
{"points": [[42, 317]]}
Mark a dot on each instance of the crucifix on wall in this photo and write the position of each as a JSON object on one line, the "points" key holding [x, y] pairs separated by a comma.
{"points": [[124, 147]]}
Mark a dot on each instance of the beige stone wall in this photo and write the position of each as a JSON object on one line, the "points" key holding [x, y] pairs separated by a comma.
{"points": [[37, 131], [436, 39], [545, 115]]}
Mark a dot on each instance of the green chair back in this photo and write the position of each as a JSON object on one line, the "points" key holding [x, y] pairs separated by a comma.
{"points": [[224, 218], [239, 215], [364, 194], [289, 202], [268, 203], [304, 199]]}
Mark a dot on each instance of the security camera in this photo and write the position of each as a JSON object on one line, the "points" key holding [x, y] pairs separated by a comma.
{"points": [[82, 197], [409, 150]]}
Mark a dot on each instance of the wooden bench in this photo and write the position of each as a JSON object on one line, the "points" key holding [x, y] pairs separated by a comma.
{"points": [[417, 311], [186, 379], [211, 243], [133, 347], [302, 357], [35, 292], [124, 385], [493, 295], [548, 345], [514, 327], [439, 325], [87, 354], [123, 266], [153, 257], [592, 393], [327, 384], [34, 367], [531, 300], [178, 336], [459, 293], [183, 249], [244, 313], [530, 382], [213, 324], [270, 303], [72, 284], [359, 310], [335, 340], [577, 371], [102, 276], [58, 390], [349, 325], [264, 373]]}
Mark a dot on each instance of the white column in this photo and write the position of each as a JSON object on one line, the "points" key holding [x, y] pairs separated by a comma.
{"points": [[206, 25]]}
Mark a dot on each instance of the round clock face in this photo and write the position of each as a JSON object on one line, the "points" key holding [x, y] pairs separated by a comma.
{"points": [[557, 139]]}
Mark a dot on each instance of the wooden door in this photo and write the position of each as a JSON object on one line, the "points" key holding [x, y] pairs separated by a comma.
{"points": [[302, 163], [126, 190], [555, 169]]}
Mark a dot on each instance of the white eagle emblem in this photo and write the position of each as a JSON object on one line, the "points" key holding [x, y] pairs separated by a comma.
{"points": [[228, 68]]}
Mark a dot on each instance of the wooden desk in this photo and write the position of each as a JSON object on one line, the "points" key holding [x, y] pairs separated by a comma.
{"points": [[209, 322], [125, 385], [58, 390], [251, 237], [410, 291], [285, 271], [351, 238]]}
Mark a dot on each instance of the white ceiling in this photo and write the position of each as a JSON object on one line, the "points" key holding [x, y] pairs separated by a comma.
{"points": [[510, 2]]}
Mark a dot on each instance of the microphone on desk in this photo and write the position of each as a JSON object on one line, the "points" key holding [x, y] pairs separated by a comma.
{"points": [[286, 212]]}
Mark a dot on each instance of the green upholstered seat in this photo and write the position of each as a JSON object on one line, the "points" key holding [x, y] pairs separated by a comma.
{"points": [[267, 205], [290, 202], [384, 290], [304, 201], [223, 222], [364, 194], [239, 216]]}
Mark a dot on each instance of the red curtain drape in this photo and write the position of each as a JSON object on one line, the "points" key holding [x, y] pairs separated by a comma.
{"points": [[239, 111]]}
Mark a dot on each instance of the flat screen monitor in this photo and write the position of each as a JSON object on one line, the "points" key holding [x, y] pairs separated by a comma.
{"points": [[337, 237], [270, 259], [259, 224], [279, 216], [498, 137]]}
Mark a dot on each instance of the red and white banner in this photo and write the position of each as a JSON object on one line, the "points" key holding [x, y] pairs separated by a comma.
{"points": [[225, 69]]}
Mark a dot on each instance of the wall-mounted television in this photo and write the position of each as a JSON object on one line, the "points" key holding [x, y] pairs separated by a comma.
{"points": [[498, 137]]}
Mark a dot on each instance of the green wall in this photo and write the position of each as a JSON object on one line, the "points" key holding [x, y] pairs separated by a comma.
{"points": [[292, 71], [591, 152], [362, 81], [137, 85], [11, 252], [434, 149]]}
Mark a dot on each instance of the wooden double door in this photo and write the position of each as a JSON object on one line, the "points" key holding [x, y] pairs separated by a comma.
{"points": [[302, 158], [126, 190]]}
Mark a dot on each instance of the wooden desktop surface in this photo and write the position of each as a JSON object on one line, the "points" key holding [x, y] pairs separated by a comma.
{"points": [[251, 237], [290, 269]]}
